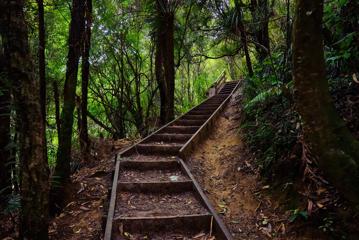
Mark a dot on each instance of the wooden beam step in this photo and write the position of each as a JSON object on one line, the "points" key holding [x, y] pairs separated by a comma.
{"points": [[205, 108], [171, 137], [186, 122], [149, 164], [153, 148], [180, 129], [201, 112], [157, 224], [190, 117], [156, 187]]}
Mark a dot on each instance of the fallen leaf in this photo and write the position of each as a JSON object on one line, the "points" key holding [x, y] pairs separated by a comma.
{"points": [[84, 208], [199, 235]]}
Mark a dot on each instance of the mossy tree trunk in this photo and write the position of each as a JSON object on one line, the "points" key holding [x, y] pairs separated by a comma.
{"points": [[325, 132], [26, 89]]}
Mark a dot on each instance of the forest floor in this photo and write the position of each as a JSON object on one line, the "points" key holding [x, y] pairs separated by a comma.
{"points": [[227, 173], [87, 195], [84, 215]]}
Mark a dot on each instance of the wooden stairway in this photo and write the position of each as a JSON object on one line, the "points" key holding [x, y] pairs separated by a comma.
{"points": [[154, 195]]}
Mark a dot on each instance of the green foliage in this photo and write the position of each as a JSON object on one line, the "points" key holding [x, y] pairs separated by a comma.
{"points": [[341, 36], [271, 129], [297, 213], [263, 97], [271, 126]]}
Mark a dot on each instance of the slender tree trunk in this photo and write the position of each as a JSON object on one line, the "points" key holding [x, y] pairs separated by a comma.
{"points": [[260, 15], [189, 95], [241, 32], [244, 41], [34, 167], [164, 60], [121, 126], [84, 138], [286, 74], [42, 67], [62, 170], [288, 32], [325, 133], [232, 67], [5, 140], [57, 106], [42, 64]]}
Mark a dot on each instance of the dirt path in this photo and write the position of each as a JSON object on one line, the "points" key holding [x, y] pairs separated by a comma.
{"points": [[227, 174]]}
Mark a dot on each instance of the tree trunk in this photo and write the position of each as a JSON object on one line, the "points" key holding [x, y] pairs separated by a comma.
{"points": [[5, 140], [62, 170], [42, 64], [241, 32], [84, 138], [34, 167], [285, 72], [260, 16], [42, 67], [164, 60], [232, 67], [57, 106], [325, 133]]}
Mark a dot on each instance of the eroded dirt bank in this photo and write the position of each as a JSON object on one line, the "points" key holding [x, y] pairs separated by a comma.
{"points": [[228, 176]]}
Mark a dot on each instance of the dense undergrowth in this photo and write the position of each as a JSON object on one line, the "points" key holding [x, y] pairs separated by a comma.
{"points": [[271, 123], [273, 132]]}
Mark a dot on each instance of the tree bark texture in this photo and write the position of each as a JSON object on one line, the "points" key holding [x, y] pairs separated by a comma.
{"points": [[42, 63], [241, 32], [42, 67], [5, 140], [34, 167], [57, 106], [84, 138], [325, 133], [62, 170], [164, 59], [260, 16]]}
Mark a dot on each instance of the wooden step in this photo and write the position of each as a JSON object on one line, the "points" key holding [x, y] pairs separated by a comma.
{"points": [[184, 122], [149, 226], [205, 108], [180, 129], [156, 187], [211, 104], [152, 175], [134, 204], [153, 148], [143, 164], [201, 112], [171, 137], [195, 117]]}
